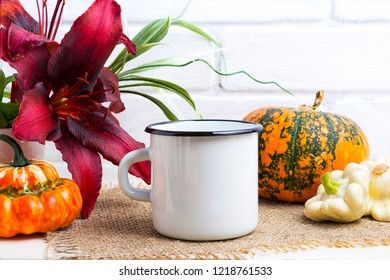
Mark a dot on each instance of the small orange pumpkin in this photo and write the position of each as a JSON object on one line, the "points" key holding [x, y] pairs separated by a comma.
{"points": [[298, 145], [33, 198]]}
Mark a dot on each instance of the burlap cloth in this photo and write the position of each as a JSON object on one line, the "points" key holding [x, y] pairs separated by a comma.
{"points": [[121, 228]]}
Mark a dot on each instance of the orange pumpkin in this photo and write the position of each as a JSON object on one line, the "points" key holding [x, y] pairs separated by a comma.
{"points": [[33, 198], [298, 145]]}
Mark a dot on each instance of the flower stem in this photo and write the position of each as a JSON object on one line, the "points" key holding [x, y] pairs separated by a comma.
{"points": [[59, 20], [56, 19], [39, 18]]}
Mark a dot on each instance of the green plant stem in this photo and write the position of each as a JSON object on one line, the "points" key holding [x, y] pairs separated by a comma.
{"points": [[167, 112], [145, 67]]}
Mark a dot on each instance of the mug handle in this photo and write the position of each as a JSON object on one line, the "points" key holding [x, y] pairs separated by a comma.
{"points": [[123, 179]]}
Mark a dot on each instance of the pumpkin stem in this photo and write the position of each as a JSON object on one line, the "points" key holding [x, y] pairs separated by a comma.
{"points": [[330, 186], [318, 100], [19, 159]]}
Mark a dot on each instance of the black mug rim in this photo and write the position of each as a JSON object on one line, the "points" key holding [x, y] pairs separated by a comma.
{"points": [[249, 127]]}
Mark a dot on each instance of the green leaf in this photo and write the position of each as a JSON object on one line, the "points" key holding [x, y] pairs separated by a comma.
{"points": [[3, 121], [7, 94], [2, 84], [167, 112], [9, 110], [9, 79], [202, 33], [165, 62], [178, 62], [158, 83], [4, 81], [184, 9], [145, 47], [148, 37], [196, 30], [154, 32]]}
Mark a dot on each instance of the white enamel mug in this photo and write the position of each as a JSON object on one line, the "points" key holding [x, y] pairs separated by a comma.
{"points": [[204, 178]]}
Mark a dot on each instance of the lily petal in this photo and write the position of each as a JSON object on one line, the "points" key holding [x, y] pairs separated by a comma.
{"points": [[16, 92], [20, 41], [4, 44], [35, 121], [12, 11], [111, 90], [79, 106], [130, 46], [104, 135], [86, 169], [86, 47], [31, 66]]}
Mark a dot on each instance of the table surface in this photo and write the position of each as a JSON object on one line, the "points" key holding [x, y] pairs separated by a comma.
{"points": [[34, 247]]}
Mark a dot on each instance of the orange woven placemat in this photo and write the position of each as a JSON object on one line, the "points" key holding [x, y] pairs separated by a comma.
{"points": [[121, 228]]}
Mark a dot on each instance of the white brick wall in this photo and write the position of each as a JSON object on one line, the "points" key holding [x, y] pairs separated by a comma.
{"points": [[362, 10], [340, 46]]}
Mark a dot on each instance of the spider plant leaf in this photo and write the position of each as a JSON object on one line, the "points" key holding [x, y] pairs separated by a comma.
{"points": [[4, 81], [154, 32], [145, 39], [9, 79], [173, 61], [158, 83], [3, 121], [9, 110], [2, 84], [167, 112], [181, 62], [155, 64], [196, 30], [7, 94]]}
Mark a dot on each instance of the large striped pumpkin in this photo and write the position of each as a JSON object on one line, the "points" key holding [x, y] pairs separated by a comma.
{"points": [[298, 145]]}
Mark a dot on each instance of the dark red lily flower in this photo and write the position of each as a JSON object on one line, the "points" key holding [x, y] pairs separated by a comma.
{"points": [[63, 85]]}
